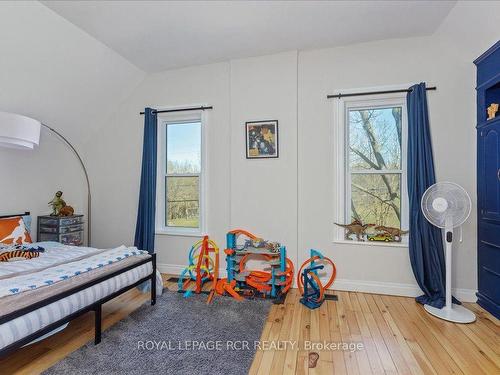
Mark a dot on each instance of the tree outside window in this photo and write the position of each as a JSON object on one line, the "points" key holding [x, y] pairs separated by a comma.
{"points": [[374, 165]]}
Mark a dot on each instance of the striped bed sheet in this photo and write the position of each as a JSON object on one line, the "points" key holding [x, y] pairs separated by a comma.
{"points": [[54, 253], [57, 256], [27, 324]]}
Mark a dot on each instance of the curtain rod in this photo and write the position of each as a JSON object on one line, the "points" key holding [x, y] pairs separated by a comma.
{"points": [[340, 95], [182, 109]]}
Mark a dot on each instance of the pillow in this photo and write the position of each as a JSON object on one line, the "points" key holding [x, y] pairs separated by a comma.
{"points": [[13, 231]]}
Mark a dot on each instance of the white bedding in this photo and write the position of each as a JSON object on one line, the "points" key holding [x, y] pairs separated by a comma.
{"points": [[25, 325], [62, 259], [54, 253], [42, 275]]}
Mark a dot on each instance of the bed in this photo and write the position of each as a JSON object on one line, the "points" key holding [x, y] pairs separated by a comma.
{"points": [[39, 295]]}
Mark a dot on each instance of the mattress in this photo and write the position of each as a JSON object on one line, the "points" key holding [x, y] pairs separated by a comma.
{"points": [[54, 254], [20, 327]]}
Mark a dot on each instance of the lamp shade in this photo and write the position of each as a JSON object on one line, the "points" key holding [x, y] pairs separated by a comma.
{"points": [[17, 131]]}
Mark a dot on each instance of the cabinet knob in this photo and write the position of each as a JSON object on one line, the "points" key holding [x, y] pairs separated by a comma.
{"points": [[498, 175]]}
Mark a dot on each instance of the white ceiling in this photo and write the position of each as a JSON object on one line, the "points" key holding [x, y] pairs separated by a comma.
{"points": [[158, 35]]}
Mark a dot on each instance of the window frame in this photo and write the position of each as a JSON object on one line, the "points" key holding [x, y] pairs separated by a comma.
{"points": [[342, 172], [161, 203]]}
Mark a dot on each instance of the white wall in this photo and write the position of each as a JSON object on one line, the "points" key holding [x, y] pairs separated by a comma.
{"points": [[445, 60], [290, 199], [260, 88], [264, 192], [94, 96], [371, 65], [52, 71], [116, 158]]}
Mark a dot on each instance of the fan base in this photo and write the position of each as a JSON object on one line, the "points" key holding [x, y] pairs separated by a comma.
{"points": [[455, 314]]}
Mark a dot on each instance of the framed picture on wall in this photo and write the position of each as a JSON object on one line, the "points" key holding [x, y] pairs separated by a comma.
{"points": [[262, 139]]}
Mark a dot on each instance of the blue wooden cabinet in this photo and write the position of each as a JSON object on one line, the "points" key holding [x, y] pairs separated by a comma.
{"points": [[488, 180]]}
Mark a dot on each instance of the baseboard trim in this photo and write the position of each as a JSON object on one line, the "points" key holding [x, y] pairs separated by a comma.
{"points": [[395, 289], [374, 287]]}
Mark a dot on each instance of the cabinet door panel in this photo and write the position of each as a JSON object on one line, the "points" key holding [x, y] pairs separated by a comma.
{"points": [[489, 173], [488, 276]]}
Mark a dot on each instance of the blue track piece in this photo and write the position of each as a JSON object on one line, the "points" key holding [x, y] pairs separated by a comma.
{"points": [[310, 298]]}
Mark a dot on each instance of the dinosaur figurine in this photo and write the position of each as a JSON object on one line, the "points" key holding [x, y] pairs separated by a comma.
{"points": [[357, 228], [396, 233], [57, 203], [66, 211], [492, 110]]}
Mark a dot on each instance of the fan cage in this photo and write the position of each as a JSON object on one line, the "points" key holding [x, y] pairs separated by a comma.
{"points": [[457, 198]]}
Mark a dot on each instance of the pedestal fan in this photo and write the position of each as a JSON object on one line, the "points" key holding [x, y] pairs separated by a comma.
{"points": [[447, 205]]}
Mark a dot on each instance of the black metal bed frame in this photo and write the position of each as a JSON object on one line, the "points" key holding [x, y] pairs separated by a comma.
{"points": [[27, 213], [96, 306]]}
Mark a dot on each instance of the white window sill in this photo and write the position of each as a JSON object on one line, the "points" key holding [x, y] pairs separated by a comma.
{"points": [[181, 233], [371, 243]]}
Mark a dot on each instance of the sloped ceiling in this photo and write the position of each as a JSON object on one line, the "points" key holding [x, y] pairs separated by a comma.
{"points": [[158, 35]]}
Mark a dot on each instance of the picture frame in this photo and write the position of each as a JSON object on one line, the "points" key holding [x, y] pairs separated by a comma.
{"points": [[262, 139]]}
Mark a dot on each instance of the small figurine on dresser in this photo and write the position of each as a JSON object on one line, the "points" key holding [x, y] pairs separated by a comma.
{"points": [[59, 207], [492, 111]]}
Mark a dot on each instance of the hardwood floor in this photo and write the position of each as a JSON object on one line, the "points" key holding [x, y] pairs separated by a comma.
{"points": [[397, 335]]}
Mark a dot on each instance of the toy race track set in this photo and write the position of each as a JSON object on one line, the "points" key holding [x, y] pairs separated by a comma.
{"points": [[272, 280], [274, 283]]}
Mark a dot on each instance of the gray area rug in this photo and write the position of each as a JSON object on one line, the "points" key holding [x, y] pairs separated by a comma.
{"points": [[176, 336]]}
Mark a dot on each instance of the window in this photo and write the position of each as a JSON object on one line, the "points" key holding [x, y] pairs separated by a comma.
{"points": [[180, 177], [373, 139]]}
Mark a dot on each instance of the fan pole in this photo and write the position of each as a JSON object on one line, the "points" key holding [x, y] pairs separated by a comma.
{"points": [[451, 312], [448, 239]]}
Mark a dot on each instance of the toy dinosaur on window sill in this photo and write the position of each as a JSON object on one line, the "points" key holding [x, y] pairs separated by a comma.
{"points": [[357, 228], [395, 233]]}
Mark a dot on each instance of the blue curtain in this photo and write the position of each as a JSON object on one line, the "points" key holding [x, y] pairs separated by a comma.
{"points": [[145, 227], [425, 240]]}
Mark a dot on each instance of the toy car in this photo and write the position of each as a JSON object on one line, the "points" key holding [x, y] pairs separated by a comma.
{"points": [[384, 237]]}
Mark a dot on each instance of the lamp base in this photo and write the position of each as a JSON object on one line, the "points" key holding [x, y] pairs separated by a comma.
{"points": [[455, 313]]}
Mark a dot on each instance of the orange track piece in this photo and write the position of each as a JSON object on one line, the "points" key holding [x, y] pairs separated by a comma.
{"points": [[219, 286], [246, 233], [202, 258], [289, 276], [223, 286], [257, 285], [230, 289], [210, 296]]}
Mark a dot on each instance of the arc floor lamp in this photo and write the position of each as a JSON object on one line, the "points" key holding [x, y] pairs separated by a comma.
{"points": [[21, 132]]}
